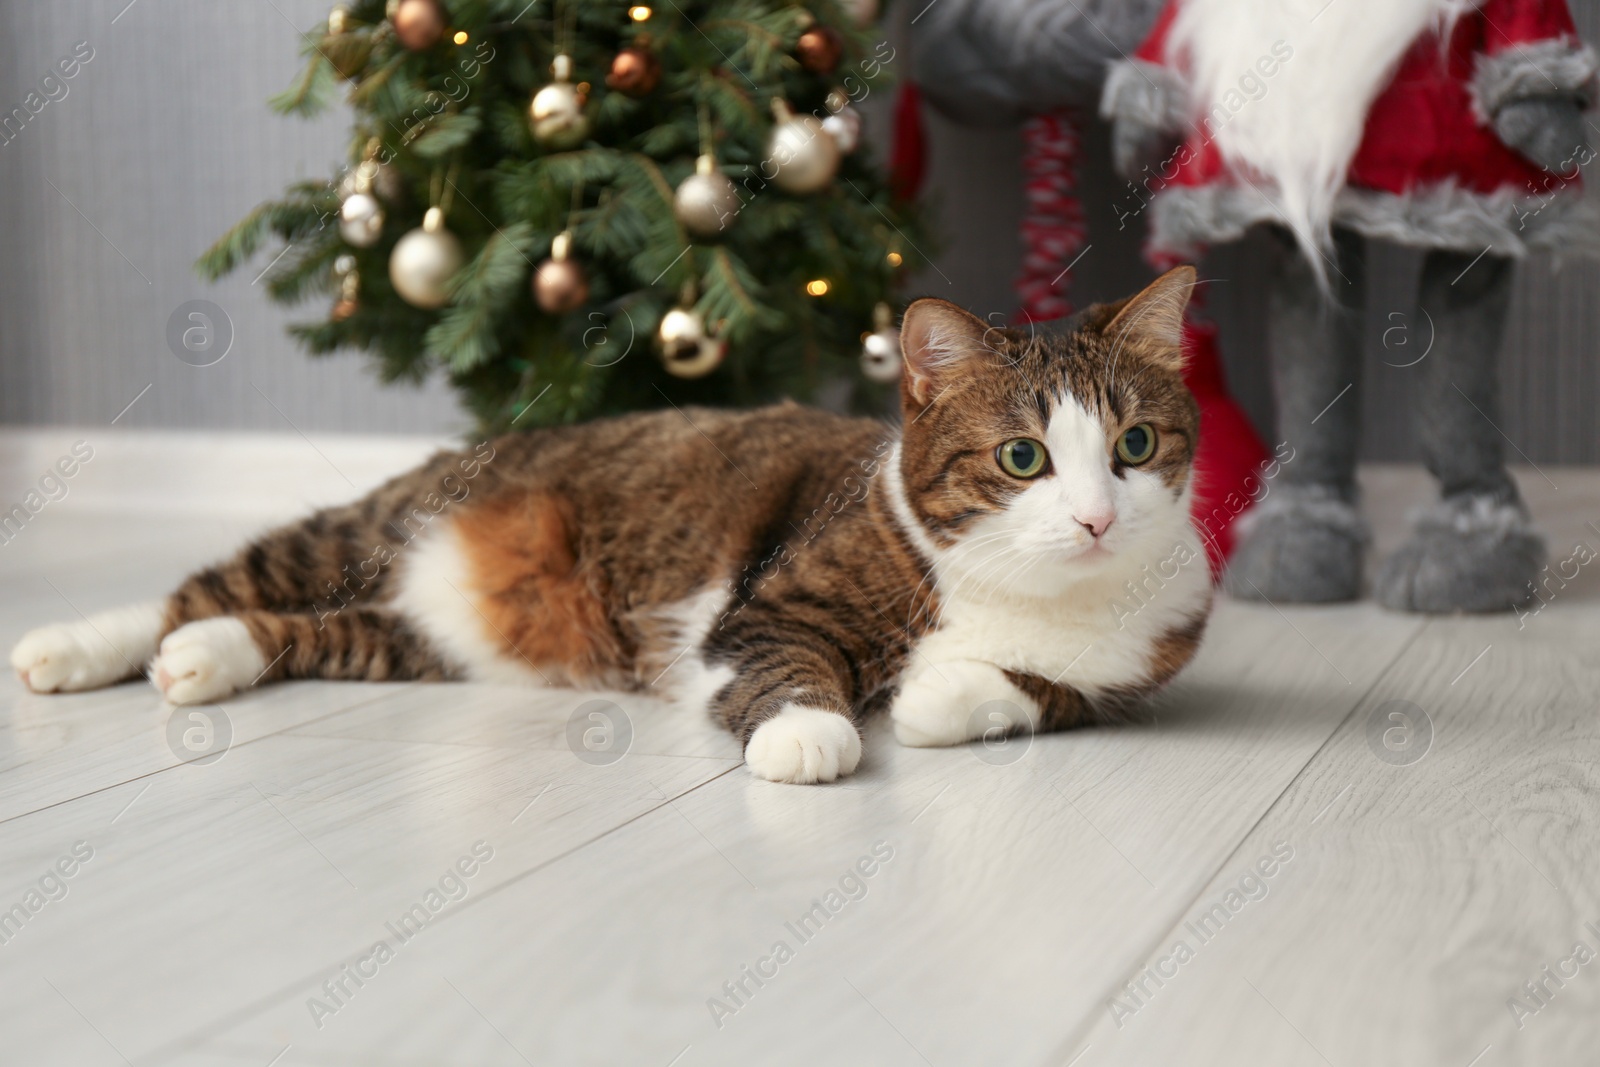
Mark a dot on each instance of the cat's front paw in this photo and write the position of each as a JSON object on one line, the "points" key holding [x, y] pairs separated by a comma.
{"points": [[804, 745], [954, 702], [206, 660]]}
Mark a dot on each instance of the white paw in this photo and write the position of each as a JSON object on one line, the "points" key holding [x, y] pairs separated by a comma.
{"points": [[62, 658], [804, 745], [954, 702], [206, 660]]}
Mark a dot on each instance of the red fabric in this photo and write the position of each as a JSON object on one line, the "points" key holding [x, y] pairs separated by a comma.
{"points": [[1230, 452], [908, 152], [1421, 130], [1052, 226]]}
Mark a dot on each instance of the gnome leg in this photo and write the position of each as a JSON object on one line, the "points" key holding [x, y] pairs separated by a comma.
{"points": [[1304, 540], [1474, 550]]}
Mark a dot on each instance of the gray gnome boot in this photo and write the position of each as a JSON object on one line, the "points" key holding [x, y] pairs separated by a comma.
{"points": [[1474, 550], [1304, 542]]}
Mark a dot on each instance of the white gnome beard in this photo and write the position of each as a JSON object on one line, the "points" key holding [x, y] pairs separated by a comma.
{"points": [[1294, 134]]}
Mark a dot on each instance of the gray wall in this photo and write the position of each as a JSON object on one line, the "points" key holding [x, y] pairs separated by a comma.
{"points": [[164, 140]]}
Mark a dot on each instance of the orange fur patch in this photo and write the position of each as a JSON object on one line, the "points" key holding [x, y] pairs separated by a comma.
{"points": [[528, 584]]}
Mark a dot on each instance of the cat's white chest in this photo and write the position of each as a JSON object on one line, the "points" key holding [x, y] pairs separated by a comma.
{"points": [[1102, 635]]}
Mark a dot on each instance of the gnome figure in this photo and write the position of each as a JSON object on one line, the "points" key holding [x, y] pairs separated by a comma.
{"points": [[1452, 126]]}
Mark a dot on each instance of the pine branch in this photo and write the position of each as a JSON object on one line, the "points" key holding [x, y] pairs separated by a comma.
{"points": [[310, 92], [447, 133]]}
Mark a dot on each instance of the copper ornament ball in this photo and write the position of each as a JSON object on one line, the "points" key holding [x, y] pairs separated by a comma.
{"points": [[819, 49], [420, 24], [343, 309], [635, 72], [560, 286]]}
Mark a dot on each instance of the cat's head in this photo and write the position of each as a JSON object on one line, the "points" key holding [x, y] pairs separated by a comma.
{"points": [[1032, 461]]}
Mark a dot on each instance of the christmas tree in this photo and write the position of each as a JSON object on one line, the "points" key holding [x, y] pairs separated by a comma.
{"points": [[579, 207]]}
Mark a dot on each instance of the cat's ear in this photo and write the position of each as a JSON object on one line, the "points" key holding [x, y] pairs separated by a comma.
{"points": [[936, 337], [1153, 318]]}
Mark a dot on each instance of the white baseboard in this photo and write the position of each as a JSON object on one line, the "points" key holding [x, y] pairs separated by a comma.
{"points": [[197, 472]]}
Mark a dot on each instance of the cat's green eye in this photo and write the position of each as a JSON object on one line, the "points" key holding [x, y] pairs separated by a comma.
{"points": [[1022, 457], [1137, 445]]}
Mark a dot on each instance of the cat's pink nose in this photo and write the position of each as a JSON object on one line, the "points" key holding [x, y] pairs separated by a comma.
{"points": [[1097, 520]]}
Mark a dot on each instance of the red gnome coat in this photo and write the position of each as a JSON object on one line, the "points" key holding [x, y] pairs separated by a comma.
{"points": [[1377, 115]]}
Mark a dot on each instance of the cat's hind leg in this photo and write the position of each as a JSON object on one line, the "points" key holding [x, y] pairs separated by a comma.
{"points": [[211, 658]]}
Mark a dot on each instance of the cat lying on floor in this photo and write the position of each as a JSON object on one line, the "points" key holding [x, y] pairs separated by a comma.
{"points": [[786, 568]]}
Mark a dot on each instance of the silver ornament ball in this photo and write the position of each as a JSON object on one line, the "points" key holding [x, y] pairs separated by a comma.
{"points": [[687, 349], [880, 355], [844, 125], [424, 261], [707, 202], [803, 155], [556, 113], [361, 220], [862, 12]]}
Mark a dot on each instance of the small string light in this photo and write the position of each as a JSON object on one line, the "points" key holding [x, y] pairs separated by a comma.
{"points": [[817, 287], [460, 37], [895, 259], [639, 12]]}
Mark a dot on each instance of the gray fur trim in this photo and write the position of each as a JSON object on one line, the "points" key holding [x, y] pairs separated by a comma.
{"points": [[1323, 505], [1475, 513], [1560, 67], [1152, 96], [1184, 219]]}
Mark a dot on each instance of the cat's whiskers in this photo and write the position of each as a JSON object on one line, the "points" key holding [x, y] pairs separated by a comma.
{"points": [[1021, 572], [930, 574], [976, 576]]}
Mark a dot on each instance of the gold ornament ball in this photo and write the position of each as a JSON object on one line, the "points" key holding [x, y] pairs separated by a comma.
{"points": [[424, 261], [635, 72], [687, 349], [560, 286], [360, 220], [819, 49], [880, 355], [706, 203], [419, 24], [803, 155]]}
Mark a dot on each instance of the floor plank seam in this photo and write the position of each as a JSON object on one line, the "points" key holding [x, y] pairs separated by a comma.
{"points": [[163, 770]]}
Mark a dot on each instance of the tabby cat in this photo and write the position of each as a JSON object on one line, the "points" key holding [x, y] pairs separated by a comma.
{"points": [[1016, 556]]}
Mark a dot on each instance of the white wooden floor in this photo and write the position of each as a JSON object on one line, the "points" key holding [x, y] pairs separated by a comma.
{"points": [[1407, 902]]}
